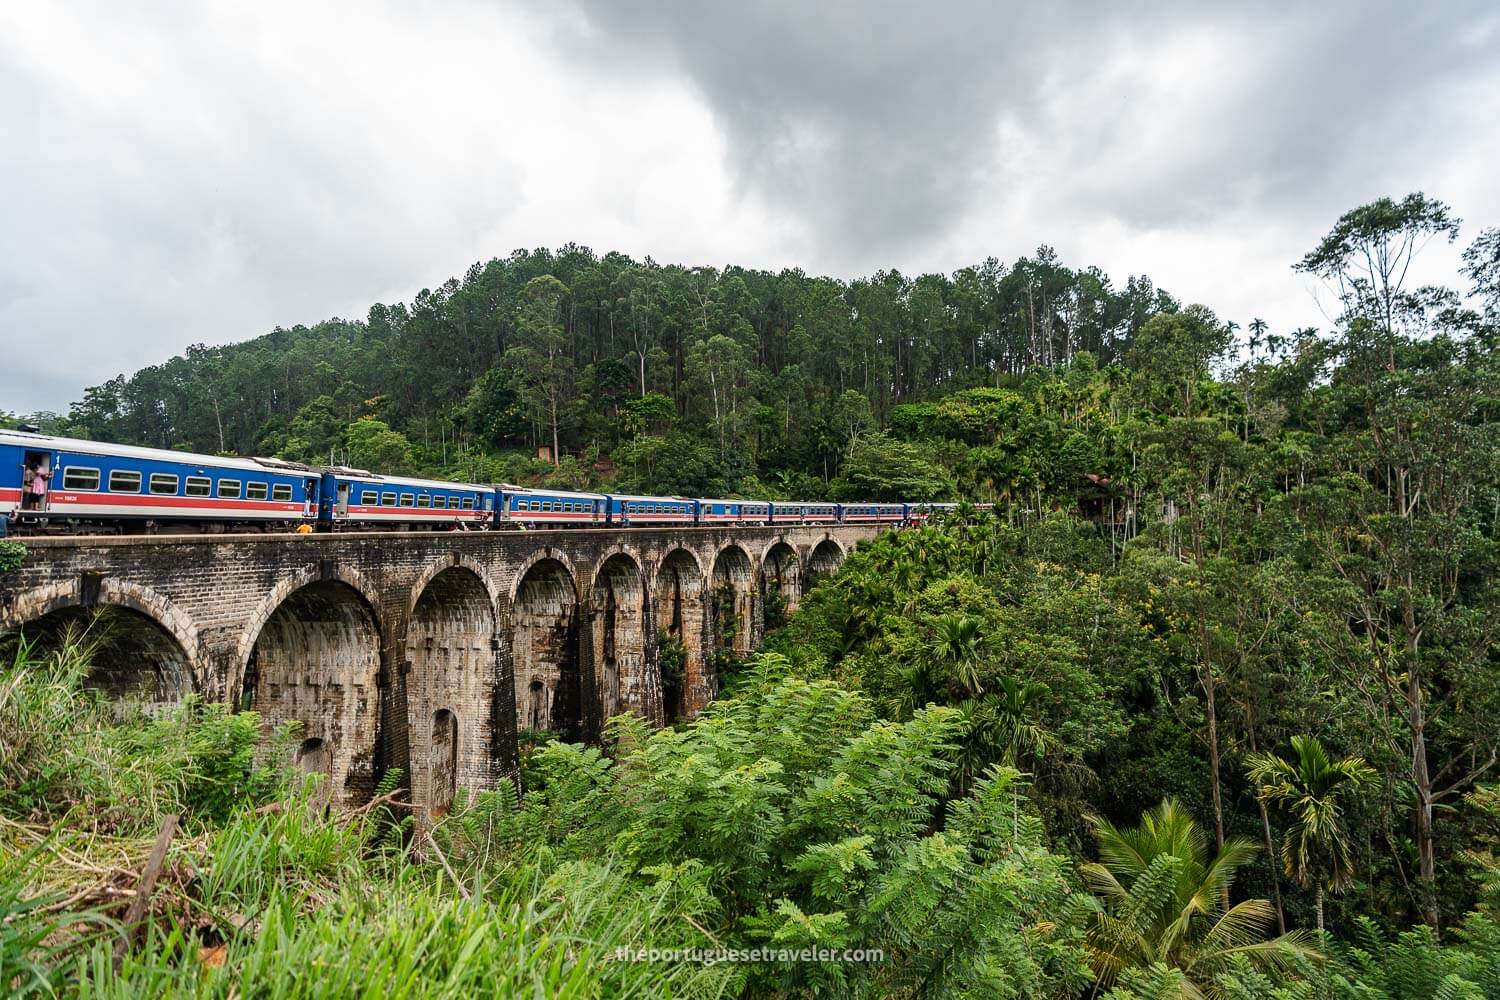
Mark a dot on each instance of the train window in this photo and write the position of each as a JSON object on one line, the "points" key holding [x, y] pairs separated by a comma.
{"points": [[229, 489], [406, 499], [256, 491], [489, 503], [124, 481], [163, 484], [424, 500], [281, 491], [75, 478], [387, 499], [440, 502], [197, 486], [369, 498], [468, 503]]}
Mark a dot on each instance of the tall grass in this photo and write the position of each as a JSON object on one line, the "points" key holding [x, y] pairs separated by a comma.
{"points": [[265, 892]]}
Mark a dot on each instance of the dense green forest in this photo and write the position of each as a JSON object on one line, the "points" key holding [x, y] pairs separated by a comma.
{"points": [[687, 380], [1207, 705]]}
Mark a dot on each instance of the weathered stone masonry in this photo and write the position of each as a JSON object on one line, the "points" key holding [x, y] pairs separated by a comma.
{"points": [[423, 651]]}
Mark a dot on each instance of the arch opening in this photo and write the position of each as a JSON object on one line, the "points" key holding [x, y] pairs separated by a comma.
{"points": [[781, 584], [450, 645], [733, 602], [443, 762], [316, 662], [825, 560], [314, 756], [678, 597], [135, 662], [619, 640], [549, 683]]}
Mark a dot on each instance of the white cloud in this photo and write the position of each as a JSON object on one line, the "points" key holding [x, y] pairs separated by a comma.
{"points": [[203, 172]]}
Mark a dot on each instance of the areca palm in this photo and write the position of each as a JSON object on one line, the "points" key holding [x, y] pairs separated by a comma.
{"points": [[1017, 703], [1164, 899], [1311, 789], [959, 644]]}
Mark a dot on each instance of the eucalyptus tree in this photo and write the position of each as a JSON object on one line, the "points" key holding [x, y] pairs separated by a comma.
{"points": [[540, 362]]}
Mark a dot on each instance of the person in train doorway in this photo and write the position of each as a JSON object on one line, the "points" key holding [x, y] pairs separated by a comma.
{"points": [[34, 482]]}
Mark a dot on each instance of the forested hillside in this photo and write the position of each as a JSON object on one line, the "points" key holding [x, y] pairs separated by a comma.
{"points": [[692, 380]]}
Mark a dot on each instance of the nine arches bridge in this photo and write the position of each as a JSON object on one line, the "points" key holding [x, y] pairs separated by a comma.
{"points": [[427, 652]]}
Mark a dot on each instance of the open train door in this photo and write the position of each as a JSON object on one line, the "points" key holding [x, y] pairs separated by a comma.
{"points": [[36, 480]]}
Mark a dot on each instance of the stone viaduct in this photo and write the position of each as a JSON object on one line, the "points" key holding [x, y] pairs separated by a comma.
{"points": [[423, 651]]}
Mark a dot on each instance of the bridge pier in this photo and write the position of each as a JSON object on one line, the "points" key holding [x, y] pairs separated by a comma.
{"points": [[426, 652]]}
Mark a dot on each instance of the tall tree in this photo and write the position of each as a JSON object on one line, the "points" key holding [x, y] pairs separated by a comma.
{"points": [[539, 360], [1313, 790]]}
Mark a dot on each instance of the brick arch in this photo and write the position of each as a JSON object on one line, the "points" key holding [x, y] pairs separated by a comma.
{"points": [[285, 589], [828, 539], [679, 607], [764, 552], [733, 566], [450, 645], [786, 571], [545, 618], [825, 558], [543, 555], [630, 552], [152, 604], [656, 565], [454, 561], [619, 607], [316, 660], [725, 550]]}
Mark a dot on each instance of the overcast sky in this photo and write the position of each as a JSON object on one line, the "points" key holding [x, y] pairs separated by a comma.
{"points": [[177, 173]]}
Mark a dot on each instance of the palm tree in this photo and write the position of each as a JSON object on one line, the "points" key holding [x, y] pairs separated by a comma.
{"points": [[959, 643], [1016, 705], [1315, 846], [1164, 900]]}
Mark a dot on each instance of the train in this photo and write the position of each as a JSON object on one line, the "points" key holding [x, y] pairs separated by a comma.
{"points": [[51, 484]]}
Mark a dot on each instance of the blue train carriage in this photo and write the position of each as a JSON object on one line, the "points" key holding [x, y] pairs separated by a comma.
{"points": [[872, 513], [927, 511], [734, 512], [521, 507], [47, 482], [355, 498], [798, 512], [626, 511]]}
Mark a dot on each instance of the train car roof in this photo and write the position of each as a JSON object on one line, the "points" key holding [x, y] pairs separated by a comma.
{"points": [[633, 496], [530, 491], [731, 500], [26, 439]]}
